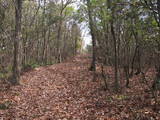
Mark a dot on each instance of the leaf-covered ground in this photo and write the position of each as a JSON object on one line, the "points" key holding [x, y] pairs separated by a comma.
{"points": [[67, 91]]}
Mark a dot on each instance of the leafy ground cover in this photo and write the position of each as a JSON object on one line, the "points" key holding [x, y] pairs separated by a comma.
{"points": [[66, 91]]}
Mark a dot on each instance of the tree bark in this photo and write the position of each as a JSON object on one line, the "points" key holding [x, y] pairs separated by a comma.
{"points": [[17, 38], [116, 84], [93, 64]]}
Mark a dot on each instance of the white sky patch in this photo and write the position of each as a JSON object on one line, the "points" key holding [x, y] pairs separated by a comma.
{"points": [[85, 34], [87, 40], [86, 37], [84, 28]]}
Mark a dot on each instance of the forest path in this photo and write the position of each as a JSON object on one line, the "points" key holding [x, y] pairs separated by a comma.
{"points": [[62, 91], [66, 91]]}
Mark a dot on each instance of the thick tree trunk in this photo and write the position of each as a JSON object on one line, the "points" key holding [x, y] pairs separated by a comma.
{"points": [[44, 34], [126, 70], [93, 64], [116, 82], [17, 38], [58, 56], [158, 9]]}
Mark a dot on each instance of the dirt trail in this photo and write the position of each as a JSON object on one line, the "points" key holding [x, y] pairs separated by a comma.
{"points": [[56, 92], [66, 91]]}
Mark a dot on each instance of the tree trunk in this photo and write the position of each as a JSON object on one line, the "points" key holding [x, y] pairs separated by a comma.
{"points": [[59, 40], [116, 84], [44, 34], [158, 9], [93, 64], [17, 38]]}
